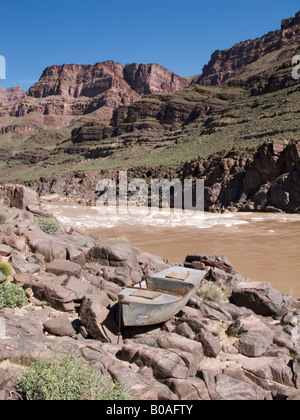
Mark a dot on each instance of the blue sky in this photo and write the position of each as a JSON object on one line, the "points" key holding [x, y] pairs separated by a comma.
{"points": [[180, 35]]}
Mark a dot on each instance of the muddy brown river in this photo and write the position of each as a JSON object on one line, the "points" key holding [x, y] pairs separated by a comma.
{"points": [[263, 247]]}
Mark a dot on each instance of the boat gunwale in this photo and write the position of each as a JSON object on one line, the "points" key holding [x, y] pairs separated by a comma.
{"points": [[123, 299]]}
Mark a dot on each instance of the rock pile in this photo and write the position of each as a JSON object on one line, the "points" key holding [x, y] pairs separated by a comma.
{"points": [[241, 344]]}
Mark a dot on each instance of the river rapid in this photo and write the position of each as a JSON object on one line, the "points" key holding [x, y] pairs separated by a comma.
{"points": [[263, 247]]}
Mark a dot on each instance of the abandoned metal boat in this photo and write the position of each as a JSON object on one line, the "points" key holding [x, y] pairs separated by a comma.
{"points": [[160, 297]]}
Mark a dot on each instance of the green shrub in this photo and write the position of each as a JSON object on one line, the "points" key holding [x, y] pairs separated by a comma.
{"points": [[11, 296], [49, 226], [233, 332], [67, 378], [5, 269]]}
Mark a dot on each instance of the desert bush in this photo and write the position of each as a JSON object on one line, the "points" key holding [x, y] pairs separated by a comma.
{"points": [[5, 269], [233, 331], [11, 296], [67, 378], [49, 226], [211, 292]]}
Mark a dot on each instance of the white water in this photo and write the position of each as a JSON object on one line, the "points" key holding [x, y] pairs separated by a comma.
{"points": [[263, 247]]}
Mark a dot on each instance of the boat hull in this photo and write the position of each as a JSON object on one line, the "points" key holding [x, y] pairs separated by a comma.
{"points": [[140, 314], [163, 297]]}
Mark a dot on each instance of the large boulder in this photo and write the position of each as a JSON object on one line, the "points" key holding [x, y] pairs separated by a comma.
{"points": [[211, 346], [19, 196], [79, 287], [191, 389], [50, 288], [60, 326], [163, 363], [254, 343], [261, 298], [5, 250], [64, 267], [174, 341], [98, 319], [121, 254], [231, 389]]}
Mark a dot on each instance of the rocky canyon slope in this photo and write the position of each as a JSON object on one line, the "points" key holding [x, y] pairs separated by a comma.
{"points": [[263, 179], [108, 116], [235, 340], [262, 64], [11, 95], [67, 92]]}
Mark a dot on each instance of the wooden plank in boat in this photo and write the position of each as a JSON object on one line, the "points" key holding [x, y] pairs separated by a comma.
{"points": [[178, 275], [146, 294]]}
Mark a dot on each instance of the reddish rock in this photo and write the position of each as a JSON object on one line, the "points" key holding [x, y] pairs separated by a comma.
{"points": [[63, 267], [261, 298], [225, 66], [5, 250], [97, 319], [50, 289], [71, 91], [19, 196], [60, 326], [152, 78], [11, 95], [17, 242]]}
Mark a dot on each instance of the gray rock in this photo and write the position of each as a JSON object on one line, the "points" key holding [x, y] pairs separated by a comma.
{"points": [[211, 346], [230, 389], [20, 197], [185, 330], [80, 288], [111, 289], [50, 289], [174, 341], [75, 255], [20, 265], [296, 371], [17, 242], [192, 389], [164, 364], [2, 278], [118, 275], [261, 298], [97, 319], [270, 373], [5, 250], [60, 326], [64, 267], [121, 254], [254, 343]]}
